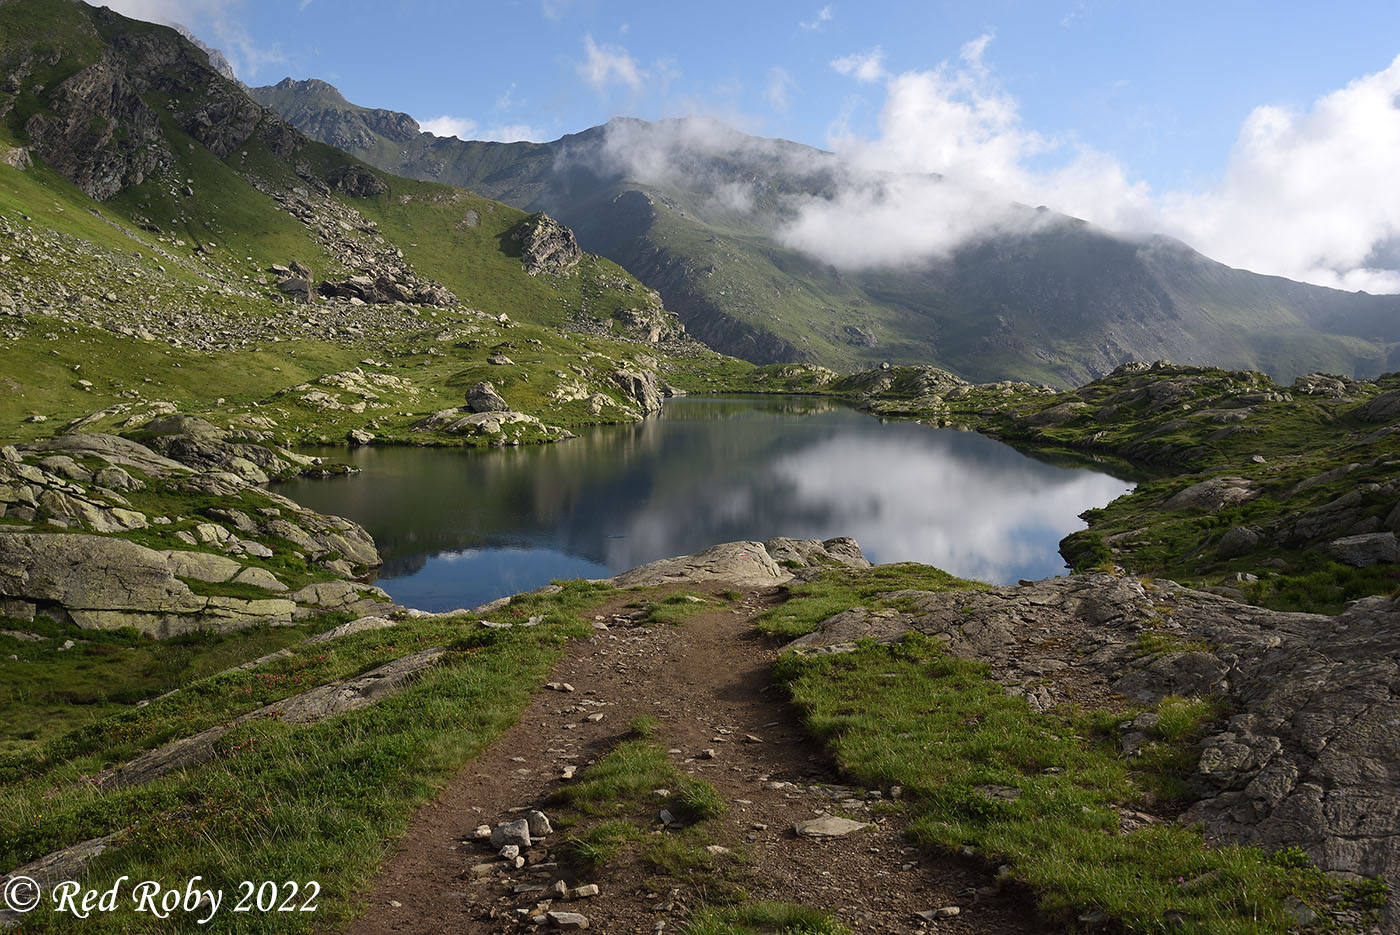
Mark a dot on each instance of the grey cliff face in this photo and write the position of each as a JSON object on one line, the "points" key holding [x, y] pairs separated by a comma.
{"points": [[97, 130]]}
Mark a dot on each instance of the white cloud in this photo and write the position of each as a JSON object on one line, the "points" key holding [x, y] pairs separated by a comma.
{"points": [[608, 64], [513, 133], [863, 66], [778, 94], [823, 17], [1310, 194], [464, 128]]}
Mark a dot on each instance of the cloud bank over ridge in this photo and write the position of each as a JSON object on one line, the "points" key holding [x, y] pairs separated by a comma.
{"points": [[1307, 194]]}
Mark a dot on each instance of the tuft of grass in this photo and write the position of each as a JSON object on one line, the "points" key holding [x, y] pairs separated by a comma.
{"points": [[622, 783], [643, 726], [599, 844], [675, 609], [616, 802], [696, 800], [763, 918], [1155, 643], [1180, 718], [619, 780]]}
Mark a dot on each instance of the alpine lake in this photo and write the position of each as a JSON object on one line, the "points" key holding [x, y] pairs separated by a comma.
{"points": [[459, 527]]}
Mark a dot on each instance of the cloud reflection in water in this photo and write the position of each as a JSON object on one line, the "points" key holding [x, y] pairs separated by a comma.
{"points": [[458, 528]]}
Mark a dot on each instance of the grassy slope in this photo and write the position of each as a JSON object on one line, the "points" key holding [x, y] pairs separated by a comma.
{"points": [[784, 293], [162, 269], [319, 802]]}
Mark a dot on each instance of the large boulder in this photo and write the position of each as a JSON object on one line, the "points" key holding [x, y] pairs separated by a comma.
{"points": [[1239, 540], [1210, 495], [357, 182], [1382, 408], [105, 583], [1375, 548], [546, 246], [482, 397], [744, 563], [199, 444], [115, 450], [806, 553], [639, 386]]}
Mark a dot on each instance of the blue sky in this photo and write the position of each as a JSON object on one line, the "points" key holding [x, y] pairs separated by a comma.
{"points": [[1156, 110]]}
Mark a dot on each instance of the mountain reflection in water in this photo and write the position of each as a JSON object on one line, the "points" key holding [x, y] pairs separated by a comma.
{"points": [[457, 528]]}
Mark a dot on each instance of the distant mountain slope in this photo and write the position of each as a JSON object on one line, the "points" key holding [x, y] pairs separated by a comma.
{"points": [[166, 242], [1059, 300], [182, 160]]}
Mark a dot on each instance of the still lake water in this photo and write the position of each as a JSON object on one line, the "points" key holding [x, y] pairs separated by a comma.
{"points": [[457, 528]]}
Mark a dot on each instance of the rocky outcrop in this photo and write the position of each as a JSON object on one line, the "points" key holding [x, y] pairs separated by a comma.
{"points": [[51, 563], [1210, 495], [95, 128], [48, 871], [199, 444], [105, 583], [504, 426], [1311, 754], [808, 553], [97, 132], [16, 157], [1363, 551], [384, 288], [1382, 408], [745, 563], [639, 386], [546, 246], [357, 182]]}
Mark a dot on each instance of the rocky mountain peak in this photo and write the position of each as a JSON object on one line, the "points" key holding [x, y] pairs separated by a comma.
{"points": [[336, 121]]}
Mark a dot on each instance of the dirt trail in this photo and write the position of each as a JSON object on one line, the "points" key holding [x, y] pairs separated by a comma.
{"points": [[708, 682]]}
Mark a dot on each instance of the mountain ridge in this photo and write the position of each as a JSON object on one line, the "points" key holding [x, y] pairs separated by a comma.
{"points": [[1060, 300]]}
